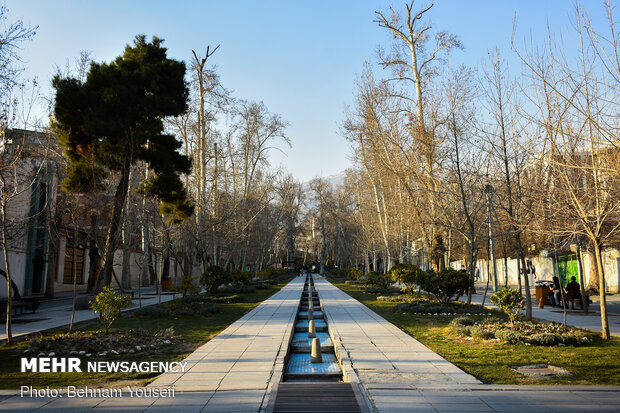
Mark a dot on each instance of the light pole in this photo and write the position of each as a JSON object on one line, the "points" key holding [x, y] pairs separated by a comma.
{"points": [[489, 191]]}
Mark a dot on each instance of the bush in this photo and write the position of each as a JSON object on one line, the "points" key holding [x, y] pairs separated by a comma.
{"points": [[481, 332], [545, 339], [355, 274], [379, 280], [510, 301], [339, 272], [509, 337], [108, 305], [213, 277], [462, 321], [408, 274], [241, 277], [268, 273], [445, 284], [187, 286]]}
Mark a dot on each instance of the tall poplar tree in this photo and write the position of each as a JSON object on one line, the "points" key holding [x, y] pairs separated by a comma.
{"points": [[114, 119]]}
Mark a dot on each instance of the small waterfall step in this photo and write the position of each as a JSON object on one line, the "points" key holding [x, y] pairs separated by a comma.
{"points": [[316, 398], [300, 368], [302, 326], [302, 344], [303, 315]]}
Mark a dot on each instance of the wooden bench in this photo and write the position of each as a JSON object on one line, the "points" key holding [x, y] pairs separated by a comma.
{"points": [[22, 303]]}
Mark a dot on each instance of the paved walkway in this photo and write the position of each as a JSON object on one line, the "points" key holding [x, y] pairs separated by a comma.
{"points": [[399, 374], [53, 313]]}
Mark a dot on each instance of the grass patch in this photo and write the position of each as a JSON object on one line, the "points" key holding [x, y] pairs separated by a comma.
{"points": [[491, 361], [190, 331]]}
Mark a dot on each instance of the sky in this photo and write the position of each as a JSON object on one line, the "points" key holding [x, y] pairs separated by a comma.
{"points": [[299, 57]]}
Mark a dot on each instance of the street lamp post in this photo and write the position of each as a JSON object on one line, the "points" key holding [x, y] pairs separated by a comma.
{"points": [[489, 191]]}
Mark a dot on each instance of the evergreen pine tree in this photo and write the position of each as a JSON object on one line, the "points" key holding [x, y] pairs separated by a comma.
{"points": [[114, 119]]}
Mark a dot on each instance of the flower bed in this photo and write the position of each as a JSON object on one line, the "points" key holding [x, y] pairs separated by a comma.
{"points": [[93, 343], [426, 306], [524, 332]]}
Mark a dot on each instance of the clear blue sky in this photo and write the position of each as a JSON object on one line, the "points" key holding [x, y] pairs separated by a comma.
{"points": [[299, 57]]}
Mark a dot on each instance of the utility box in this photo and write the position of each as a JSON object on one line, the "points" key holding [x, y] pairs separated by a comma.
{"points": [[542, 292]]}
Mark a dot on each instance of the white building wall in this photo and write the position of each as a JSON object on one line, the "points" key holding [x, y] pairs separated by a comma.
{"points": [[17, 263], [544, 269]]}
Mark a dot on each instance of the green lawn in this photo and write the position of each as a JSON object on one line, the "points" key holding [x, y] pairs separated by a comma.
{"points": [[191, 331], [490, 361]]}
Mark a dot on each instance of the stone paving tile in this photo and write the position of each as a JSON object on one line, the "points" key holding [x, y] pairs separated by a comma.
{"points": [[245, 380], [469, 407], [190, 402], [24, 404], [69, 404], [125, 404], [235, 401]]}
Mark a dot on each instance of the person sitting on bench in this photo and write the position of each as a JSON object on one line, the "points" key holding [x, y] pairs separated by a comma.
{"points": [[573, 290], [556, 294]]}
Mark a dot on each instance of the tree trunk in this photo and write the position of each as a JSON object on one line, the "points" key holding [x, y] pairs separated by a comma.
{"points": [[127, 231], [105, 275], [603, 300], [593, 281], [74, 272], [9, 281]]}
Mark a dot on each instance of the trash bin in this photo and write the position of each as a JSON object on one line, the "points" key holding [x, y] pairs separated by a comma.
{"points": [[542, 292]]}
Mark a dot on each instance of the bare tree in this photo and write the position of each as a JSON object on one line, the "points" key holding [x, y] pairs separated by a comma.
{"points": [[577, 102], [415, 64]]}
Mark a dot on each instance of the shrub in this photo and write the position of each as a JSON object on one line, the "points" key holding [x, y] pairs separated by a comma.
{"points": [[187, 286], [213, 277], [379, 280], [545, 339], [408, 274], [355, 274], [446, 284], [108, 305], [240, 277], [338, 272], [267, 273], [508, 336], [510, 301], [481, 332], [462, 321]]}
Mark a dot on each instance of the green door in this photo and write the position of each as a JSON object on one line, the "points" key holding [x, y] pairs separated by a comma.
{"points": [[567, 268]]}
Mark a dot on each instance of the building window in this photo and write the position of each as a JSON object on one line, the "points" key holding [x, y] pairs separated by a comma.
{"points": [[67, 277]]}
